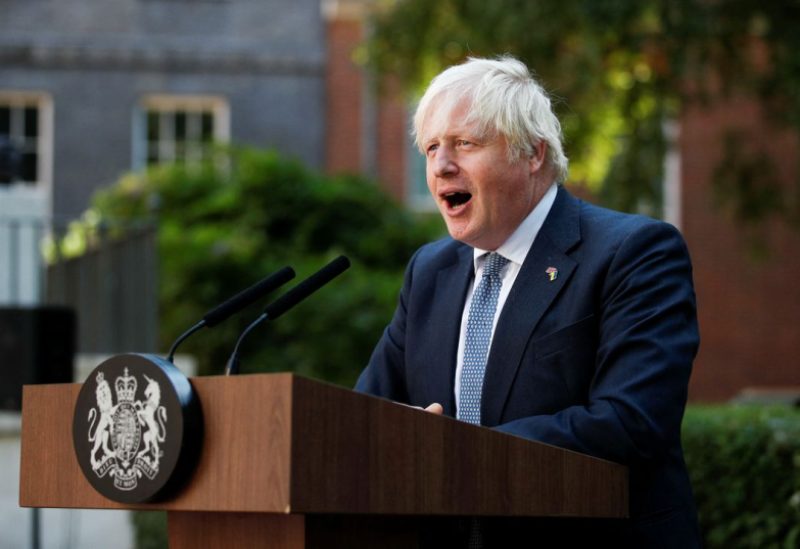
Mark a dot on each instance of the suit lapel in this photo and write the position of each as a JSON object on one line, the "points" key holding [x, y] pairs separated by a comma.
{"points": [[451, 284], [529, 300]]}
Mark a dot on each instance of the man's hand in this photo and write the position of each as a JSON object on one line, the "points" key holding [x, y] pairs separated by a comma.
{"points": [[435, 408]]}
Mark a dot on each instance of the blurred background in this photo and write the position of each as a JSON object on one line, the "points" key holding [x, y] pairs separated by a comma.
{"points": [[157, 156]]}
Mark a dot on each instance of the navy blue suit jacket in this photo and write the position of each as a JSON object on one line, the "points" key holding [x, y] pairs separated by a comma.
{"points": [[597, 360]]}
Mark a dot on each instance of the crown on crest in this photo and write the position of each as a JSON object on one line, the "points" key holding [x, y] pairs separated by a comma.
{"points": [[126, 387]]}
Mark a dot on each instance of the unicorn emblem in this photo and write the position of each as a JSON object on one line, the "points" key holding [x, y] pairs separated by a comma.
{"points": [[156, 432]]}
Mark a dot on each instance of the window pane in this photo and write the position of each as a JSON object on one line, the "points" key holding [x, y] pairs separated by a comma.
{"points": [[20, 124], [180, 150], [152, 155], [9, 160], [28, 168], [179, 132], [152, 126], [193, 127], [208, 127], [5, 121], [31, 122], [180, 126]]}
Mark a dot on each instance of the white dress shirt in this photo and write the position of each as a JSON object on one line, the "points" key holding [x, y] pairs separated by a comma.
{"points": [[514, 249]]}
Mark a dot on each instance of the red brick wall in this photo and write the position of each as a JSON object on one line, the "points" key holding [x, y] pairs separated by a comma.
{"points": [[392, 138], [344, 99], [345, 107], [749, 309]]}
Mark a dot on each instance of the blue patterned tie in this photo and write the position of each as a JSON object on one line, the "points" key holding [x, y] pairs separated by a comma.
{"points": [[479, 334]]}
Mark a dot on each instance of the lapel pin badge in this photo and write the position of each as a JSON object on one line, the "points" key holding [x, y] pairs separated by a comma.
{"points": [[552, 273]]}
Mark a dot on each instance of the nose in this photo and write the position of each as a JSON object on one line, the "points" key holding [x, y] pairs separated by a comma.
{"points": [[443, 162]]}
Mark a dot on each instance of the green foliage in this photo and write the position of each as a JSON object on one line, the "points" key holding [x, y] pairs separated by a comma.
{"points": [[623, 67], [226, 224], [150, 529], [745, 468]]}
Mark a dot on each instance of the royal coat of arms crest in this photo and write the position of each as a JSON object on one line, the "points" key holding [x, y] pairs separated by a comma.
{"points": [[126, 436], [124, 445]]}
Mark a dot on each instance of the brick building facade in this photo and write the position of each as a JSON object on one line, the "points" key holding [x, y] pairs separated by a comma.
{"points": [[90, 89], [367, 131], [282, 74], [748, 303]]}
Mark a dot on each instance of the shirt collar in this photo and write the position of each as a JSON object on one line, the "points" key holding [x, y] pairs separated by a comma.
{"points": [[516, 247]]}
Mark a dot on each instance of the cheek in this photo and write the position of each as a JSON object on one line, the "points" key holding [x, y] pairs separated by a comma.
{"points": [[500, 183], [429, 179], [511, 189]]}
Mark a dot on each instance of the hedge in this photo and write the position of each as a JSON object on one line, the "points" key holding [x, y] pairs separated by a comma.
{"points": [[744, 462], [227, 223]]}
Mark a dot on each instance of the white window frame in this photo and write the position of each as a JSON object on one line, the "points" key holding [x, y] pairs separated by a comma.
{"points": [[168, 105], [26, 206], [18, 100]]}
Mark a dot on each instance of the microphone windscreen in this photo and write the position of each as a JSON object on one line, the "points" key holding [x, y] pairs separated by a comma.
{"points": [[248, 296]]}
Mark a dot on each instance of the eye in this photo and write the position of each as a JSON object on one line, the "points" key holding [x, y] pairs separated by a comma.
{"points": [[431, 148], [464, 143]]}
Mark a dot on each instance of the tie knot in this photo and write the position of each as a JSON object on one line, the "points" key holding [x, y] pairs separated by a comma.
{"points": [[494, 264]]}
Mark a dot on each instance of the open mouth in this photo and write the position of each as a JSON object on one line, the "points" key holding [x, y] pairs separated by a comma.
{"points": [[457, 199]]}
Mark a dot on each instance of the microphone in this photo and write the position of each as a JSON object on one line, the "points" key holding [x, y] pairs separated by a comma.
{"points": [[236, 303], [289, 300]]}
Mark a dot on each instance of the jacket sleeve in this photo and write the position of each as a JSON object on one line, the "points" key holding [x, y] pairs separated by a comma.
{"points": [[384, 376]]}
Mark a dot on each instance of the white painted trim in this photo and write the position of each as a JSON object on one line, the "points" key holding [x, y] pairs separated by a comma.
{"points": [[43, 186], [169, 103]]}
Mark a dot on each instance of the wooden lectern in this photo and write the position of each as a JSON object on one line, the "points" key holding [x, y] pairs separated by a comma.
{"points": [[288, 462]]}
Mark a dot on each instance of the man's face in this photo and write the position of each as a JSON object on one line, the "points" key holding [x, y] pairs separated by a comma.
{"points": [[481, 195]]}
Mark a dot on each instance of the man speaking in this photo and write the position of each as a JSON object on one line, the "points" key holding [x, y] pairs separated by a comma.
{"points": [[543, 316]]}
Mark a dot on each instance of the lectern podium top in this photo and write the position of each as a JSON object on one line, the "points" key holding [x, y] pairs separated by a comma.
{"points": [[280, 443]]}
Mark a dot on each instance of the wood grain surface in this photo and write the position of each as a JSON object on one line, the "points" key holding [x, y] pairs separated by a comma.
{"points": [[278, 443], [358, 454]]}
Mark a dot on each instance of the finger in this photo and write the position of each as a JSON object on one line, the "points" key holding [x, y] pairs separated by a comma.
{"points": [[435, 408]]}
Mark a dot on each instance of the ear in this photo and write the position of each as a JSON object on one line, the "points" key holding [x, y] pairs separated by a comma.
{"points": [[537, 157]]}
